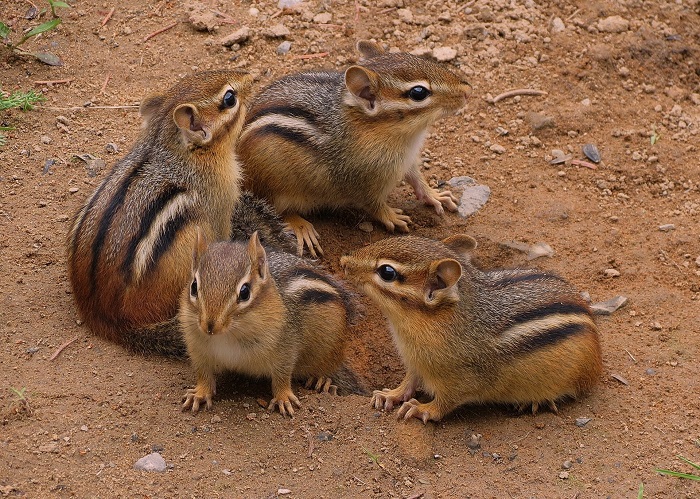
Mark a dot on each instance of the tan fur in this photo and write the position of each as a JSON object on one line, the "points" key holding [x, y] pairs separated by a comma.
{"points": [[324, 139], [129, 247], [518, 336], [294, 322]]}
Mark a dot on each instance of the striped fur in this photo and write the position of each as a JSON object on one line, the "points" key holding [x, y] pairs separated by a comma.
{"points": [[517, 336], [320, 140], [129, 248], [292, 320]]}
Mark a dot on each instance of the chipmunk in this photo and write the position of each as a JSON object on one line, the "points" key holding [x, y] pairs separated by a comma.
{"points": [[267, 314], [519, 336], [129, 246], [326, 139]]}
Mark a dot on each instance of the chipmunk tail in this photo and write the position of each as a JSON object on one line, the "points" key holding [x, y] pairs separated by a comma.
{"points": [[163, 338], [349, 382]]}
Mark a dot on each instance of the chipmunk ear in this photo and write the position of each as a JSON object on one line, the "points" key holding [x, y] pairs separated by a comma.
{"points": [[149, 108], [461, 243], [189, 121], [363, 84], [368, 49], [257, 255], [443, 277]]}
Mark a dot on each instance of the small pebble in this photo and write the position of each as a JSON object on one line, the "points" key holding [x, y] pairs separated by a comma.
{"points": [[84, 428], [591, 152], [497, 148], [655, 326], [607, 307], [151, 462], [216, 419], [612, 272], [366, 227], [474, 195], [325, 436], [45, 139], [283, 492], [666, 227], [239, 36], [564, 475], [650, 372], [111, 148], [697, 261], [566, 465], [323, 18], [73, 190], [581, 422], [284, 47], [444, 54]]}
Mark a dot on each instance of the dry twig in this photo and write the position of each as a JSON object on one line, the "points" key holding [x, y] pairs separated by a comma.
{"points": [[104, 85], [107, 18], [516, 92], [60, 349], [158, 32], [52, 82]]}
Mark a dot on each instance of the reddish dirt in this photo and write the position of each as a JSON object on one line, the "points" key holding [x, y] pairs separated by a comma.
{"points": [[89, 413]]}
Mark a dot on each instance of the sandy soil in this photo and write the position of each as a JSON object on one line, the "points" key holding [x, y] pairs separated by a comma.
{"points": [[629, 85]]}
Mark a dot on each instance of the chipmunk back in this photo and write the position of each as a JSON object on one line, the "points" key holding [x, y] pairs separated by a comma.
{"points": [[518, 336], [129, 247], [326, 139], [263, 313]]}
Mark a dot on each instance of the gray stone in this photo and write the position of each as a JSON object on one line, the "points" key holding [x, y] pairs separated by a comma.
{"points": [[557, 25], [581, 422], [613, 24], [666, 227], [284, 47], [474, 195], [239, 37], [277, 31], [323, 18], [607, 307], [540, 249], [151, 462]]}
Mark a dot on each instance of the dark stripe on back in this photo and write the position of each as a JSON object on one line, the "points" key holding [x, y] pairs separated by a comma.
{"points": [[147, 220], [290, 111], [166, 239], [312, 275], [90, 206], [317, 296], [292, 135], [549, 337], [549, 309], [113, 207]]}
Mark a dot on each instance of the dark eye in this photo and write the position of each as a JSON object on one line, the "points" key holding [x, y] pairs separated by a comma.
{"points": [[193, 288], [387, 273], [418, 93], [244, 293], [229, 99]]}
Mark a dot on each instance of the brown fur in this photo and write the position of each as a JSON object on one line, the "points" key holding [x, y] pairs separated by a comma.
{"points": [[324, 139], [293, 320], [518, 336], [129, 247]]}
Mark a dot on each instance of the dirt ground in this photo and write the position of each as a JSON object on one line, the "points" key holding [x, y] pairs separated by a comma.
{"points": [[75, 423]]}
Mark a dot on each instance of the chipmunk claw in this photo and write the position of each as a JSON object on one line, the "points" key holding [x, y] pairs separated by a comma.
{"points": [[285, 404], [305, 233], [322, 384], [193, 398], [414, 409]]}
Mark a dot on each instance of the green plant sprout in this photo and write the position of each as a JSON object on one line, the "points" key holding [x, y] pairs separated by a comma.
{"points": [[45, 57], [22, 100], [677, 474]]}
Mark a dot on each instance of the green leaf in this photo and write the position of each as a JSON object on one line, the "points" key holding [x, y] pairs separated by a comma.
{"points": [[640, 492], [4, 30], [694, 465], [48, 58], [676, 474], [48, 25], [56, 3]]}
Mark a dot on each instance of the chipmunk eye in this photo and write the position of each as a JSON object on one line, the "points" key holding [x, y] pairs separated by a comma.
{"points": [[418, 93], [387, 273], [229, 99], [244, 293], [193, 288]]}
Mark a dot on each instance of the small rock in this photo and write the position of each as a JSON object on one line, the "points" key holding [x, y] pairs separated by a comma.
{"points": [[474, 195], [697, 261], [84, 428], [474, 443], [157, 448], [557, 25], [284, 47], [497, 148], [203, 18], [288, 4], [73, 190], [538, 250], [45, 139], [444, 54], [405, 15], [151, 462], [619, 378], [445, 16], [539, 121], [283, 492], [51, 447], [655, 326], [650, 372], [586, 102], [216, 419], [564, 475], [239, 37], [611, 273], [613, 24], [277, 31], [607, 307], [566, 465], [666, 227], [325, 436], [323, 18], [591, 152], [366, 227], [581, 422]]}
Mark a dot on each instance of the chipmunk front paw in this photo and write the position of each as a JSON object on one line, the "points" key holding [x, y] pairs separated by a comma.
{"points": [[195, 396], [305, 233], [322, 384], [386, 398], [415, 409], [284, 401], [441, 200], [393, 218]]}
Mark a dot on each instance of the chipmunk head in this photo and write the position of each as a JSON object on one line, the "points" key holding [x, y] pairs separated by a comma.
{"points": [[409, 272], [412, 88], [200, 107], [227, 278]]}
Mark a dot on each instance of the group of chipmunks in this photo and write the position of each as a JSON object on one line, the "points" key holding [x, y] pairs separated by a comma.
{"points": [[170, 255]]}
